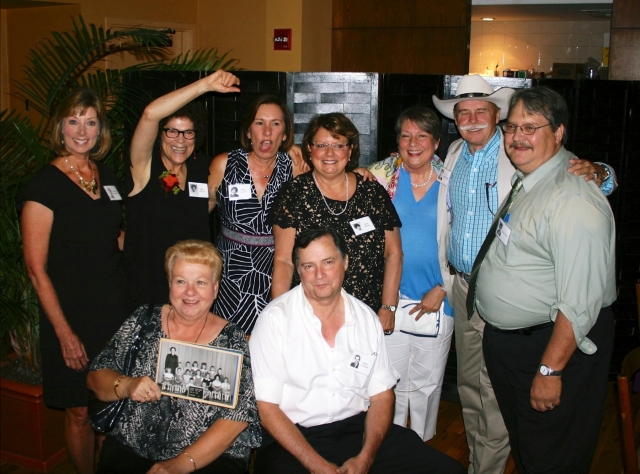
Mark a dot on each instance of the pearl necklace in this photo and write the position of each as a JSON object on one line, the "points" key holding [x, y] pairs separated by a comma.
{"points": [[325, 201], [423, 184], [89, 187]]}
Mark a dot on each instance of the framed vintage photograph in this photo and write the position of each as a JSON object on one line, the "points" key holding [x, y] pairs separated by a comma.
{"points": [[200, 373]]}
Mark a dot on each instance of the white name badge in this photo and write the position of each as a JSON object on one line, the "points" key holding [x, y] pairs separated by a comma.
{"points": [[239, 191], [361, 363], [362, 225], [503, 232], [444, 176], [198, 190], [112, 192]]}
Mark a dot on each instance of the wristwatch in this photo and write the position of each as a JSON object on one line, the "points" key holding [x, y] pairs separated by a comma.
{"points": [[391, 308], [546, 370]]}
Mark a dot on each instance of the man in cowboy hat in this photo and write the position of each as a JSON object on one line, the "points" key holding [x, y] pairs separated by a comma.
{"points": [[471, 191]]}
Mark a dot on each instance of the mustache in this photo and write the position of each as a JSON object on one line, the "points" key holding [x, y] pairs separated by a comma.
{"points": [[475, 127], [520, 145]]}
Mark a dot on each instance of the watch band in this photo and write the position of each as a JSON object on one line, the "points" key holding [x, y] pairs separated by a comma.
{"points": [[548, 371], [391, 308]]}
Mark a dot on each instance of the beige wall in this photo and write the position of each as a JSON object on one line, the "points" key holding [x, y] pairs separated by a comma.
{"points": [[25, 28], [316, 36], [239, 26], [534, 44]]}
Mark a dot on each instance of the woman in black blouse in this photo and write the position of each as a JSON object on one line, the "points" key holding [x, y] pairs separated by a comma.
{"points": [[331, 195]]}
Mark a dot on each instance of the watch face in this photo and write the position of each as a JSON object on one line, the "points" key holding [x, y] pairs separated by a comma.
{"points": [[544, 370]]}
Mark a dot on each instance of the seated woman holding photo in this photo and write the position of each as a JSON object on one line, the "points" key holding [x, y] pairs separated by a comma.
{"points": [[158, 433]]}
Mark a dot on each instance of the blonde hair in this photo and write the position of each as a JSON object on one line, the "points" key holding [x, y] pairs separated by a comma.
{"points": [[194, 251], [76, 103]]}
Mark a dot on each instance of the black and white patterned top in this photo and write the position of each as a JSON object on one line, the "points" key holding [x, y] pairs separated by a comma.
{"points": [[161, 430], [300, 205], [246, 276]]}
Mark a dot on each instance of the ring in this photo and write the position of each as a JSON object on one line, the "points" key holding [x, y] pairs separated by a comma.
{"points": [[551, 407], [387, 333]]}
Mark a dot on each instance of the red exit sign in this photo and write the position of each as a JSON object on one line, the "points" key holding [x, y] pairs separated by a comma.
{"points": [[282, 40]]}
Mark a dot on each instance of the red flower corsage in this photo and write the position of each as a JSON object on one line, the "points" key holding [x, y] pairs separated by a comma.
{"points": [[170, 182]]}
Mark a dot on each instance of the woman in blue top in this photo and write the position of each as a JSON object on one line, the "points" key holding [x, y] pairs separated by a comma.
{"points": [[411, 181]]}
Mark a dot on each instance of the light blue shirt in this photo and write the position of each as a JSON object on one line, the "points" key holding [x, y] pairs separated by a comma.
{"points": [[420, 267], [473, 194]]}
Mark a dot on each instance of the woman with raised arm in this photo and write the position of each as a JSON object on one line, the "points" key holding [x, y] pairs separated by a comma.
{"points": [[169, 197]]}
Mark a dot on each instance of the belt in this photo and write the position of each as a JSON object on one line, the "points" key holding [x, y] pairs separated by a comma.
{"points": [[523, 331], [465, 276], [248, 239]]}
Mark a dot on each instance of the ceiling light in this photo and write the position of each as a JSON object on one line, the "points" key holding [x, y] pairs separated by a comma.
{"points": [[488, 19]]}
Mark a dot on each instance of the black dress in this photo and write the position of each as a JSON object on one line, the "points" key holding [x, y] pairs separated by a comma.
{"points": [[246, 278], [84, 265], [156, 220], [300, 205]]}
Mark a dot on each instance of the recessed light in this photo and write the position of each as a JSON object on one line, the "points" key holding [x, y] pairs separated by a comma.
{"points": [[488, 19]]}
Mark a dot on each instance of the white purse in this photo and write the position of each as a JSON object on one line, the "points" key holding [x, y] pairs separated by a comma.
{"points": [[427, 326]]}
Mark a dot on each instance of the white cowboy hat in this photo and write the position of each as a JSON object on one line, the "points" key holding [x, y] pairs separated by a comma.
{"points": [[474, 87]]}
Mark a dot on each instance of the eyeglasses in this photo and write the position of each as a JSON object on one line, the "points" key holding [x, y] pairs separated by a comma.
{"points": [[335, 146], [173, 133], [526, 129]]}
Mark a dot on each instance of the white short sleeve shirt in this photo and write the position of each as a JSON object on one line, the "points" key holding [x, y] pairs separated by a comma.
{"points": [[312, 383]]}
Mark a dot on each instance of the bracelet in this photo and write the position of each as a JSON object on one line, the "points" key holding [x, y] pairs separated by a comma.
{"points": [[191, 459], [116, 385]]}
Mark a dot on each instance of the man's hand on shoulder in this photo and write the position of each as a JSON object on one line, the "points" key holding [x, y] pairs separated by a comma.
{"points": [[356, 465], [587, 169]]}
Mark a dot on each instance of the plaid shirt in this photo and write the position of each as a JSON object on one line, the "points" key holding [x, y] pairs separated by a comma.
{"points": [[473, 197]]}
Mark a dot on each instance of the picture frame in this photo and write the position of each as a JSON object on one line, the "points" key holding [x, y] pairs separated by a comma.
{"points": [[214, 380]]}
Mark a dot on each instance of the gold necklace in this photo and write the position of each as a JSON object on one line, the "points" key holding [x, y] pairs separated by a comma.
{"points": [[91, 187], [201, 329]]}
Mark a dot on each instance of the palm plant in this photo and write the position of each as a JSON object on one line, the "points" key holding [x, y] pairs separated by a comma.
{"points": [[56, 66]]}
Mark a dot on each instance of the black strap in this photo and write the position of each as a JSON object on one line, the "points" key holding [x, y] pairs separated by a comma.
{"points": [[138, 340]]}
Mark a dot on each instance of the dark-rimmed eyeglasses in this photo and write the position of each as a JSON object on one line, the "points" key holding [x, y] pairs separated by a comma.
{"points": [[335, 146], [526, 129], [174, 133]]}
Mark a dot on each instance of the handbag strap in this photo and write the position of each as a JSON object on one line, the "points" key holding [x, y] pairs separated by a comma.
{"points": [[130, 359]]}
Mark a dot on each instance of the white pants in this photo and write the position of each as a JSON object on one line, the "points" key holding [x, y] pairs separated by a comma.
{"points": [[420, 361]]}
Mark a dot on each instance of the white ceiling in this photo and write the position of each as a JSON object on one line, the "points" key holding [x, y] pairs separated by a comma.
{"points": [[524, 10]]}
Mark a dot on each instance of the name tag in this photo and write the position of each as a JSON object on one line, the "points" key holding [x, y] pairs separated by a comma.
{"points": [[362, 225], [239, 191], [444, 176], [503, 232], [361, 363], [112, 192], [198, 190]]}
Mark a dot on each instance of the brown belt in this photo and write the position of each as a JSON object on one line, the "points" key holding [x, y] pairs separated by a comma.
{"points": [[453, 271]]}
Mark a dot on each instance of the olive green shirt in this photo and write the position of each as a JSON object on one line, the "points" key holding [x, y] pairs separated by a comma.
{"points": [[560, 255]]}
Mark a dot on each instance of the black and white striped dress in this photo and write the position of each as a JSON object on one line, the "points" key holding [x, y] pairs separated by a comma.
{"points": [[246, 277]]}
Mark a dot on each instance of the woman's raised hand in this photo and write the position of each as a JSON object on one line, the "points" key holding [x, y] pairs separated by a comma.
{"points": [[222, 81], [140, 389]]}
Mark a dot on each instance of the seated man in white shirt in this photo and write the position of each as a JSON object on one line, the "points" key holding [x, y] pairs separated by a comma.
{"points": [[322, 414]]}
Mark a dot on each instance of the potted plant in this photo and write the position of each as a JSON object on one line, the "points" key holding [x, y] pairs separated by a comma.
{"points": [[56, 66]]}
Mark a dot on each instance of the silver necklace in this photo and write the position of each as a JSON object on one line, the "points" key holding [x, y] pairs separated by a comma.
{"points": [[423, 184], [325, 201], [89, 187], [201, 329]]}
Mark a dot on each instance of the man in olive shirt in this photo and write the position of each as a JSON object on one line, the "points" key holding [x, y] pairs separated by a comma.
{"points": [[544, 289]]}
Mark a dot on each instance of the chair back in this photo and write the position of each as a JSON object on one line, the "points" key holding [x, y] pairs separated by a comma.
{"points": [[630, 411]]}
